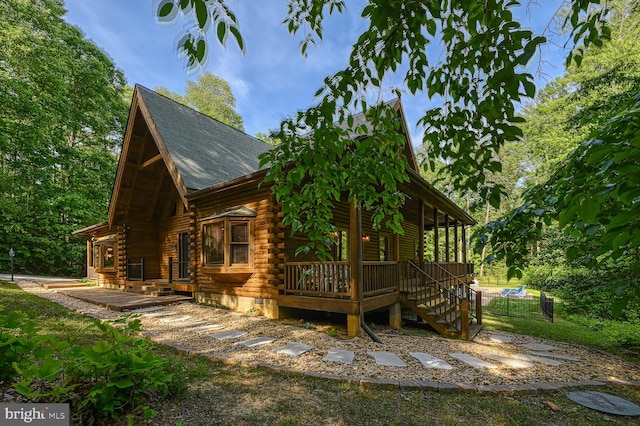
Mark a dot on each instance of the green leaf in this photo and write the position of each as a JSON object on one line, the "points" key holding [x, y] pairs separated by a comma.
{"points": [[202, 13], [222, 32], [165, 9]]}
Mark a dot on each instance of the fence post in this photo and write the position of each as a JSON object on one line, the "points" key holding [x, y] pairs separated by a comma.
{"points": [[479, 307]]}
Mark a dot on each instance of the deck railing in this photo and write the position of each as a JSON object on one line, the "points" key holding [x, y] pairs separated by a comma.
{"points": [[323, 279], [333, 279], [135, 270], [379, 277]]}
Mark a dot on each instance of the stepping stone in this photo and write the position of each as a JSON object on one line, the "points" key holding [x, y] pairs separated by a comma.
{"points": [[178, 318], [540, 347], [159, 314], [555, 355], [604, 402], [501, 339], [430, 361], [251, 343], [190, 324], [293, 349], [146, 310], [228, 335], [473, 361], [510, 361], [541, 360], [207, 328], [339, 355], [388, 359]]}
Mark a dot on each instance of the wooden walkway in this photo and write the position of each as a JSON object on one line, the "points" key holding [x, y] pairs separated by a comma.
{"points": [[118, 300]]}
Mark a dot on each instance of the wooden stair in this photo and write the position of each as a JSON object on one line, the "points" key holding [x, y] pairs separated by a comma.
{"points": [[150, 290], [433, 305]]}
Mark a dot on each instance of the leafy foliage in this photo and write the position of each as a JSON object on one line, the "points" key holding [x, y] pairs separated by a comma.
{"points": [[62, 112], [478, 78], [594, 195], [582, 157], [212, 96], [113, 376]]}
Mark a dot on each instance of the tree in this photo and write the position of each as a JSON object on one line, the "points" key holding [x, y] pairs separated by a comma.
{"points": [[588, 160], [478, 76], [212, 96], [61, 118]]}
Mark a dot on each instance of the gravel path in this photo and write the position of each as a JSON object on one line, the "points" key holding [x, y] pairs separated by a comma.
{"points": [[591, 364]]}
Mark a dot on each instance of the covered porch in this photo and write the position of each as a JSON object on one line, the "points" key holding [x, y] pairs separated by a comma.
{"points": [[396, 274]]}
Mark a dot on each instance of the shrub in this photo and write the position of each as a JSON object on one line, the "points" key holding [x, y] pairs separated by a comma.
{"points": [[112, 376]]}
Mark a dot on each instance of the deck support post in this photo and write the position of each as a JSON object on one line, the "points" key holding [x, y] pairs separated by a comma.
{"points": [[447, 257], [395, 315], [436, 236], [421, 231], [353, 325], [479, 307], [464, 318], [355, 248], [456, 247]]}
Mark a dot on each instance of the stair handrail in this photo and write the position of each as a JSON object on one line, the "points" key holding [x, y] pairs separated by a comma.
{"points": [[437, 283], [468, 290], [458, 300]]}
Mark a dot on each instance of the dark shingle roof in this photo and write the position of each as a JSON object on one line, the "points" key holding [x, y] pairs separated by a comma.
{"points": [[205, 151]]}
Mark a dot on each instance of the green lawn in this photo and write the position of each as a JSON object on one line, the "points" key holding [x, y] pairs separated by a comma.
{"points": [[220, 394]]}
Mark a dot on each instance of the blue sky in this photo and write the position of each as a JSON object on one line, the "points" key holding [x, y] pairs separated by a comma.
{"points": [[271, 81]]}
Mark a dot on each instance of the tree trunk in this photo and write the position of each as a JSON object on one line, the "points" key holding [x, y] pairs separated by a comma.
{"points": [[484, 249]]}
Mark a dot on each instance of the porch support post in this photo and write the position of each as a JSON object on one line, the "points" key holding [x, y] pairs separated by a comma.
{"points": [[436, 237], [456, 246], [421, 231], [446, 238], [464, 245], [395, 316], [89, 257], [355, 248]]}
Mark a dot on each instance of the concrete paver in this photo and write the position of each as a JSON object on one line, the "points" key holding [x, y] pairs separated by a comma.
{"points": [[208, 328], [294, 349], [472, 361], [540, 347], [258, 341], [388, 359], [430, 361], [555, 355], [510, 361], [227, 335], [339, 355], [539, 359]]}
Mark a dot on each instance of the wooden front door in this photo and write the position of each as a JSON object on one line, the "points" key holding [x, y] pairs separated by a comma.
{"points": [[183, 255]]}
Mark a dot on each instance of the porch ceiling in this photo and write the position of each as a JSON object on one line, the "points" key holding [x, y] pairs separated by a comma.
{"points": [[146, 188]]}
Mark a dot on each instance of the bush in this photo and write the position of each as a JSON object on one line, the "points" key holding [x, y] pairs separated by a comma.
{"points": [[111, 377], [608, 293]]}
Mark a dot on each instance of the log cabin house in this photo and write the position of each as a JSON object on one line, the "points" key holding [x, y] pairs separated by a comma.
{"points": [[188, 214]]}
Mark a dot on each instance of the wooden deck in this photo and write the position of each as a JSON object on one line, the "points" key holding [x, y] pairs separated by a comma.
{"points": [[439, 293], [118, 300]]}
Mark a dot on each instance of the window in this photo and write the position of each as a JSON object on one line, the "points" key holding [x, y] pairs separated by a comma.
{"points": [[227, 242], [341, 248], [384, 247], [213, 239], [227, 238], [104, 253]]}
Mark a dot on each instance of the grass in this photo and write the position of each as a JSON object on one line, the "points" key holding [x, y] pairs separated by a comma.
{"points": [[565, 331], [220, 394]]}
